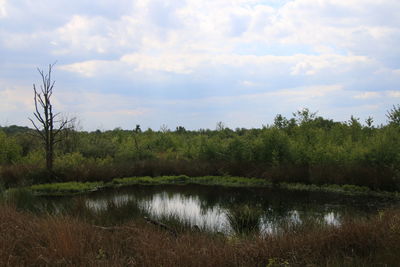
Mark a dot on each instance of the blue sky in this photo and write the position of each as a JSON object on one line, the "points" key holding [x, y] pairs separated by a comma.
{"points": [[195, 63]]}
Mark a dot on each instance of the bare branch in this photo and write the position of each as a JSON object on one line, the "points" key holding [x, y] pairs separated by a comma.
{"points": [[41, 102], [38, 118], [65, 122], [37, 128], [37, 114], [44, 115]]}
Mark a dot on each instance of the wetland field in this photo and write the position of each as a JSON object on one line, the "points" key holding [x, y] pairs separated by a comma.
{"points": [[305, 191], [194, 225]]}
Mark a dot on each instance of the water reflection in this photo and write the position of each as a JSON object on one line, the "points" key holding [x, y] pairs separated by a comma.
{"points": [[226, 210]]}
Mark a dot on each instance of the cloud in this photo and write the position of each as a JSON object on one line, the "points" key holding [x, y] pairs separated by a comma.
{"points": [[90, 29], [120, 114], [207, 27], [288, 95], [15, 98], [248, 83], [326, 53], [177, 63], [188, 63], [3, 11], [367, 95], [395, 94], [309, 92], [89, 68]]}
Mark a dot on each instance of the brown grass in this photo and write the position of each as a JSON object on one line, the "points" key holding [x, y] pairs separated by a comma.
{"points": [[26, 239]]}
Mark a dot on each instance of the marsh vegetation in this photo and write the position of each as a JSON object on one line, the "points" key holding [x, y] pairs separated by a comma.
{"points": [[110, 230], [305, 190], [306, 149]]}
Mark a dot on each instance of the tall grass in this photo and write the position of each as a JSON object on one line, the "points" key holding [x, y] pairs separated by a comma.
{"points": [[21, 199], [26, 239], [244, 219], [109, 215]]}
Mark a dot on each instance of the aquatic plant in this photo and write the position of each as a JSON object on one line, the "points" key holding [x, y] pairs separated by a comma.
{"points": [[21, 198], [65, 188], [244, 219]]}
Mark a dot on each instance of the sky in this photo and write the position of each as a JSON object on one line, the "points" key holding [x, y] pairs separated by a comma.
{"points": [[191, 63]]}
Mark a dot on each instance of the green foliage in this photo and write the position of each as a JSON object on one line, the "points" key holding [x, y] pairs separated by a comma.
{"points": [[304, 116], [72, 188], [238, 149], [35, 158], [276, 262], [275, 147], [21, 198], [384, 148], [305, 148], [65, 188], [69, 161], [14, 129], [10, 151], [393, 115], [183, 179]]}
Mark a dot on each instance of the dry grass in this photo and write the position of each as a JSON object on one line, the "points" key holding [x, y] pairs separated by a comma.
{"points": [[26, 239]]}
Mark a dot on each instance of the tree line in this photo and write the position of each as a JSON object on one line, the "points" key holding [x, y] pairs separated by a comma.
{"points": [[305, 148]]}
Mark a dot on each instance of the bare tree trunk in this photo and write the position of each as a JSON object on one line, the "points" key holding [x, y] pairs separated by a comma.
{"points": [[45, 117]]}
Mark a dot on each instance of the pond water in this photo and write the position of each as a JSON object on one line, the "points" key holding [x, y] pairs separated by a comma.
{"points": [[219, 209]]}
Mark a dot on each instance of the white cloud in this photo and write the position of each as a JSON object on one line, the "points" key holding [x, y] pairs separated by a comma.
{"points": [[89, 68], [15, 98], [290, 94], [87, 33], [177, 63], [188, 63], [3, 11], [208, 49], [201, 26], [395, 94], [248, 83], [367, 95], [214, 27]]}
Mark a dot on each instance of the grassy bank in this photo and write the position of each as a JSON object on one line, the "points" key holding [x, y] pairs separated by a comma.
{"points": [[71, 188], [51, 240]]}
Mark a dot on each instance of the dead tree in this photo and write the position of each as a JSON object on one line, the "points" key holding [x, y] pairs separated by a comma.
{"points": [[46, 119]]}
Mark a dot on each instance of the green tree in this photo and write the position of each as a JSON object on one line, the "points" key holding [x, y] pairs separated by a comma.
{"points": [[304, 116], [10, 151], [280, 122], [393, 115]]}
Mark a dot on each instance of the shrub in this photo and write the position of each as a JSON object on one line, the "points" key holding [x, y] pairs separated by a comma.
{"points": [[10, 151]]}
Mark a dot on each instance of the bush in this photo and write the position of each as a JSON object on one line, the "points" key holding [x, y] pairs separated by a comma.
{"points": [[10, 151]]}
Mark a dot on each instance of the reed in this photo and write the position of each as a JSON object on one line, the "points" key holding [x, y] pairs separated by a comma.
{"points": [[244, 219], [27, 239]]}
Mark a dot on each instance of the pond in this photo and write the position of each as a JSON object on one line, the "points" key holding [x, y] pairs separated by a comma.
{"points": [[217, 209]]}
